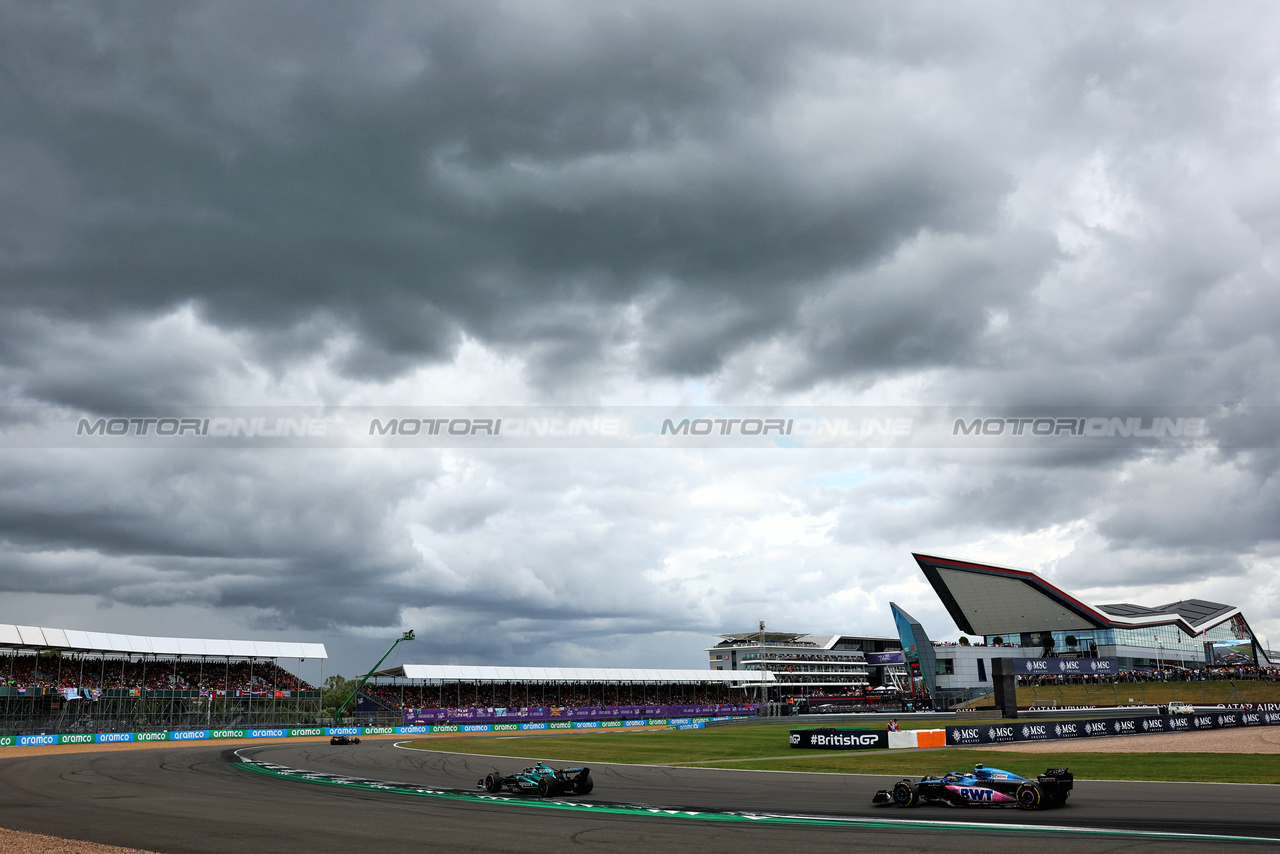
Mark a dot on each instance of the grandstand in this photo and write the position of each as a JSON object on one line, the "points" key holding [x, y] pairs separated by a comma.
{"points": [[418, 693], [846, 672], [69, 681]]}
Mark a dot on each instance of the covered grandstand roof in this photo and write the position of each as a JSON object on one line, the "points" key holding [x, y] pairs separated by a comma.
{"points": [[829, 641], [1193, 610], [32, 637], [985, 599], [767, 637], [486, 673]]}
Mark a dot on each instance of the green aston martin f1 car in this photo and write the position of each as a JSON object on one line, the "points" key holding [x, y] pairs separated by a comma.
{"points": [[542, 780]]}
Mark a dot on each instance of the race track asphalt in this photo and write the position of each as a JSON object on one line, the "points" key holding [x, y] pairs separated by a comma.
{"points": [[186, 798]]}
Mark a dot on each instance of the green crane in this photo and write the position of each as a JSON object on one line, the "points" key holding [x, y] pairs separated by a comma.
{"points": [[337, 716]]}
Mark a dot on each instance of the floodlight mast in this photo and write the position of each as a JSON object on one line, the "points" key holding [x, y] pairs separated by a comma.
{"points": [[337, 716]]}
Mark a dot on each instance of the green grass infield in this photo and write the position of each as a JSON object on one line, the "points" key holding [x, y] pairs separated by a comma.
{"points": [[764, 747]]}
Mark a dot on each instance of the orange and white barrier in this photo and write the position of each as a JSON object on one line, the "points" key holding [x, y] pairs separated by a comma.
{"points": [[918, 738]]}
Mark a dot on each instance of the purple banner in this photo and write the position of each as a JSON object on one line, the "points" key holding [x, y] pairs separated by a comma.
{"points": [[420, 717], [885, 658]]}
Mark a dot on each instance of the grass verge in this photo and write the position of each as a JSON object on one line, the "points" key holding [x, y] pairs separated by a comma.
{"points": [[765, 748]]}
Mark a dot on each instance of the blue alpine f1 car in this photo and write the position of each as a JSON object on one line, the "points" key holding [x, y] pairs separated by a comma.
{"points": [[987, 787], [541, 779]]}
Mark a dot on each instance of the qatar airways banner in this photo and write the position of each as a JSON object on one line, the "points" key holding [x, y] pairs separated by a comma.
{"points": [[1065, 666], [420, 717]]}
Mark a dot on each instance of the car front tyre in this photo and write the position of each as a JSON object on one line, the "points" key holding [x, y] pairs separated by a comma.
{"points": [[904, 794]]}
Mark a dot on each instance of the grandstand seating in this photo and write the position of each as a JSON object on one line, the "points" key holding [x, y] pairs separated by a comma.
{"points": [[466, 695], [92, 674]]}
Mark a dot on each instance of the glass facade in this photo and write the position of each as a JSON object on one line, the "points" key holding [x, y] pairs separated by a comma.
{"points": [[917, 649], [906, 634], [1229, 642]]}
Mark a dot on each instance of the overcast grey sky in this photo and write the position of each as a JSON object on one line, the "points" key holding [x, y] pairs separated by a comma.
{"points": [[662, 204]]}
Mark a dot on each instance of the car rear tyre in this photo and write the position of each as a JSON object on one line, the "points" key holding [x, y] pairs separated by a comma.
{"points": [[583, 785], [1029, 796], [904, 794]]}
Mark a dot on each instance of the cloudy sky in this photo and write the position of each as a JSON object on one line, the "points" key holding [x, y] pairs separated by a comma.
{"points": [[617, 205]]}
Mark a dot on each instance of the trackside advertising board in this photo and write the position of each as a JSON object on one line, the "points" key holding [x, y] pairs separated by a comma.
{"points": [[330, 731], [1065, 666], [1007, 732], [427, 717], [840, 739]]}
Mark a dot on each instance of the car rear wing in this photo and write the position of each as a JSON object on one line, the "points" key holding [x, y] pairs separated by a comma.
{"points": [[1059, 777]]}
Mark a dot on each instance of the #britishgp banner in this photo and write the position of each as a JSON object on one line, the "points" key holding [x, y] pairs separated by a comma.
{"points": [[839, 739]]}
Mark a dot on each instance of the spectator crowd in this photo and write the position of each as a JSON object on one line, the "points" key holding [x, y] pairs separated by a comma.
{"points": [[520, 695], [1193, 674], [93, 674]]}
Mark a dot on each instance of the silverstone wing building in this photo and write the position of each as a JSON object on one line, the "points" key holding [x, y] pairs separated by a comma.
{"points": [[1025, 616]]}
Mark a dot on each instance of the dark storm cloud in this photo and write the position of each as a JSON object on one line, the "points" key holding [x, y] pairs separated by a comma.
{"points": [[312, 542], [1216, 574], [739, 173], [936, 204], [878, 322], [274, 531], [1223, 508], [1152, 520], [1006, 491], [410, 174], [119, 361]]}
